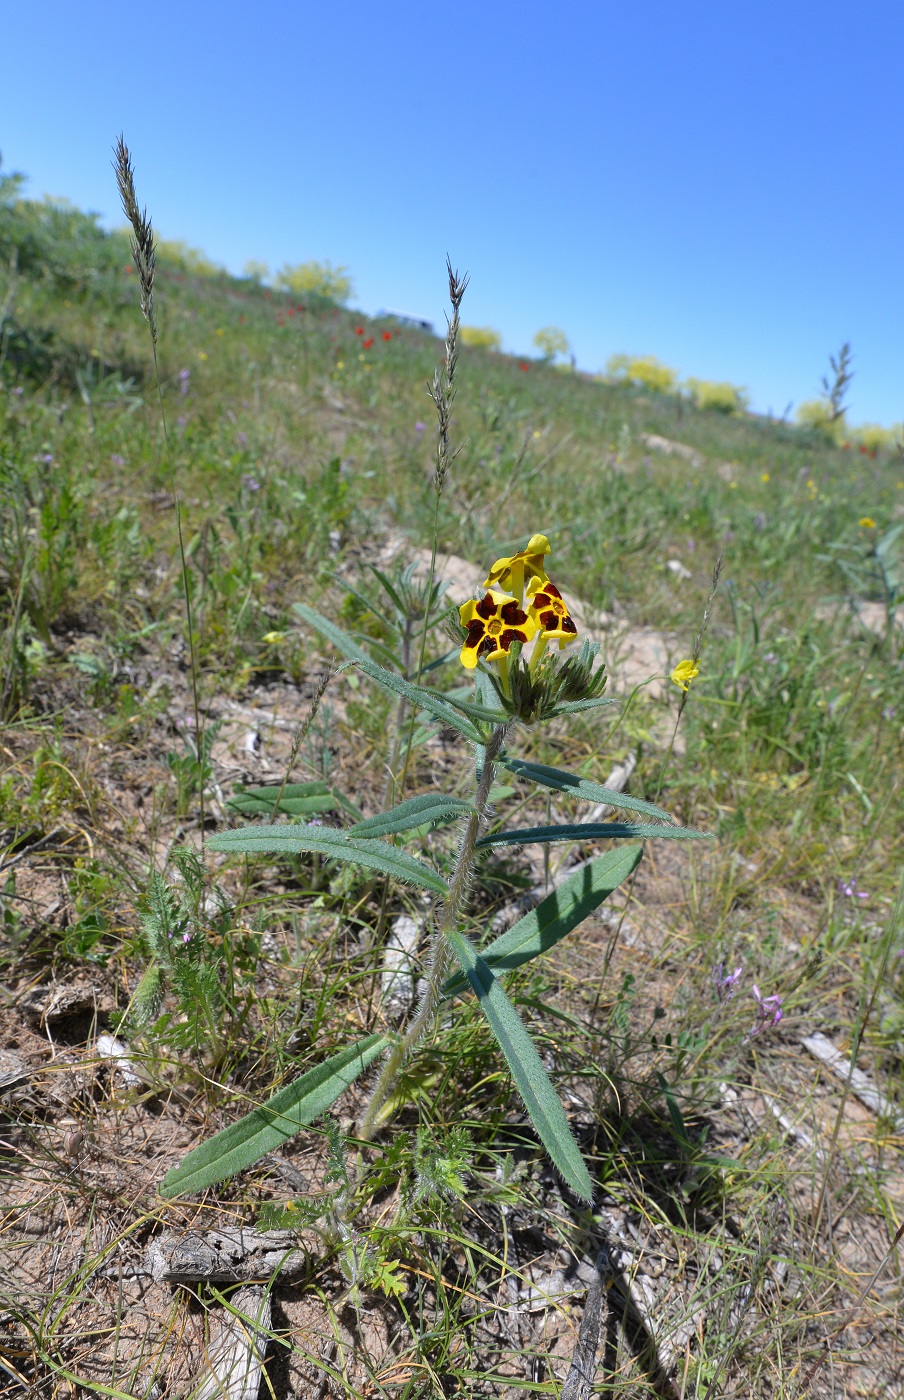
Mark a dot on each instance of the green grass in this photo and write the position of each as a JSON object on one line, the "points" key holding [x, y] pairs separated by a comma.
{"points": [[292, 470]]}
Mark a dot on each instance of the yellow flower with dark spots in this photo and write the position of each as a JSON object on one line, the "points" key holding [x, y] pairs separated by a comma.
{"points": [[550, 612], [493, 623], [511, 574]]}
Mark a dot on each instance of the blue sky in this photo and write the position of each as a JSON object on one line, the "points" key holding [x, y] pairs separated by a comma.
{"points": [[717, 184]]}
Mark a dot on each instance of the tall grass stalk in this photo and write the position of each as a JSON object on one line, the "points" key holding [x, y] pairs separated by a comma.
{"points": [[863, 1015], [144, 251]]}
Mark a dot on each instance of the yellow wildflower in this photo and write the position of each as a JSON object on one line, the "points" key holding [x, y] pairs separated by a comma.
{"points": [[550, 612], [684, 673], [867, 522], [493, 623], [511, 573]]}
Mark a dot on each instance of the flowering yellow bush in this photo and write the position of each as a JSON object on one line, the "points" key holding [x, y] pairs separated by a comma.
{"points": [[816, 414], [873, 438], [321, 278], [481, 337], [174, 250], [717, 395], [644, 370], [551, 341]]}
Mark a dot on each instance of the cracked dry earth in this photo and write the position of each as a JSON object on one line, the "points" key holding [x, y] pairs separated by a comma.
{"points": [[90, 1298]]}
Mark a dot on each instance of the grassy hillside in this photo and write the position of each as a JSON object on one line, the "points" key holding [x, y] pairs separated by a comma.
{"points": [[301, 440]]}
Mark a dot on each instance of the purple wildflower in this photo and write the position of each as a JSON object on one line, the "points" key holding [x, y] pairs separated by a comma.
{"points": [[768, 1011], [850, 890], [725, 982], [420, 427], [186, 937], [889, 711], [250, 483], [184, 381], [117, 460], [242, 440], [18, 391]]}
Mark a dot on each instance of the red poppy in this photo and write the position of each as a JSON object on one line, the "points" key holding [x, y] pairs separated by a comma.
{"points": [[290, 311], [359, 330], [368, 343], [129, 267], [387, 335], [523, 366], [863, 449], [299, 307]]}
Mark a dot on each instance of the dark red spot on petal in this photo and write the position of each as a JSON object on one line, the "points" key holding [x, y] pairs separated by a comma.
{"points": [[551, 588], [549, 621], [488, 644], [476, 630], [513, 615], [568, 626], [486, 607], [511, 634], [541, 600]]}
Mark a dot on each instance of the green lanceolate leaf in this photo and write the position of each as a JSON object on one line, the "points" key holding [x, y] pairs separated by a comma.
{"points": [[574, 707], [339, 638], [560, 781], [267, 1127], [532, 1081], [429, 700], [298, 799], [557, 915], [426, 810], [484, 713], [288, 840], [591, 831]]}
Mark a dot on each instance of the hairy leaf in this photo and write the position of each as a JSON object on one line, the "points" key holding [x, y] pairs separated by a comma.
{"points": [[591, 831], [560, 781], [557, 915], [573, 707], [268, 1126], [425, 810], [297, 799], [285, 839], [425, 699], [340, 638], [532, 1081]]}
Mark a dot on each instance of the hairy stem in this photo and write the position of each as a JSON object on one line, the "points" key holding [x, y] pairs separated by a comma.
{"points": [[440, 952]]}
